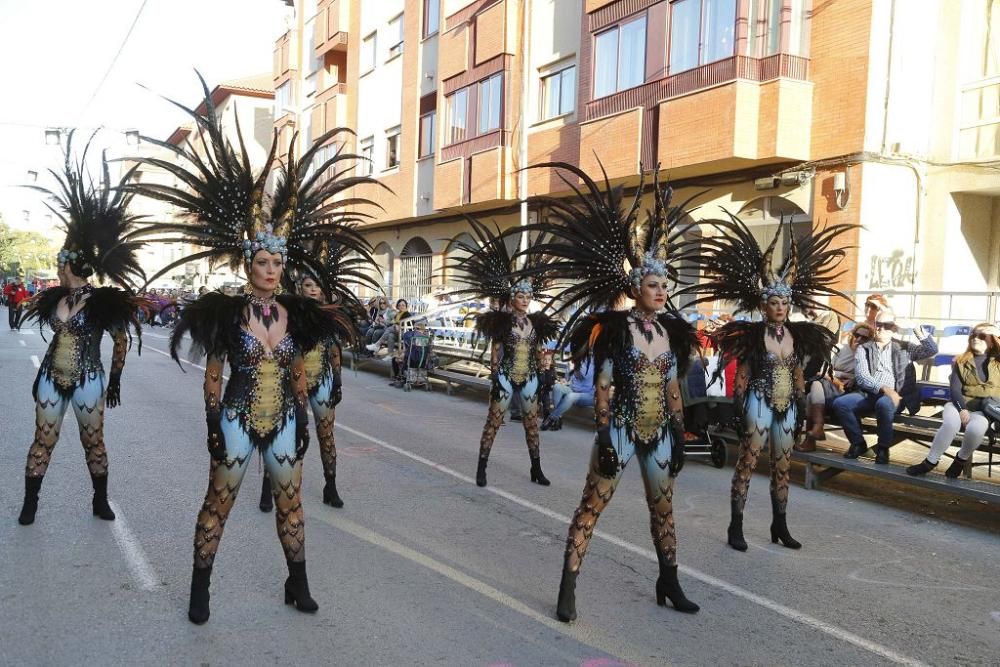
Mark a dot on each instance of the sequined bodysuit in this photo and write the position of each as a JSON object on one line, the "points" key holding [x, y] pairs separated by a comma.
{"points": [[640, 401], [259, 393]]}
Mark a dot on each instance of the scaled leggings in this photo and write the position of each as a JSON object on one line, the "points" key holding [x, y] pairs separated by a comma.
{"points": [[951, 424], [324, 412], [764, 427], [224, 482], [598, 490], [50, 408], [500, 398]]}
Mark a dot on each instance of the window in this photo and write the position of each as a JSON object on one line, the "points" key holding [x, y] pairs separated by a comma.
{"points": [[458, 116], [368, 53], [427, 129], [490, 102], [282, 98], [702, 32], [432, 17], [395, 37], [392, 148], [620, 58], [367, 152], [558, 93]]}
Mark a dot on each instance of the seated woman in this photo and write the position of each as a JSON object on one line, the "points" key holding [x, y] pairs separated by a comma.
{"points": [[390, 334], [975, 377], [822, 390], [579, 390]]}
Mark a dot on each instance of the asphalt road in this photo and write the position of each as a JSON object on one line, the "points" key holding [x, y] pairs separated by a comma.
{"points": [[422, 567]]}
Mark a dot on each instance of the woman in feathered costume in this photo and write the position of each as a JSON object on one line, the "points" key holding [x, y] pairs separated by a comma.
{"points": [[604, 253], [516, 337], [95, 219], [263, 335], [769, 381]]}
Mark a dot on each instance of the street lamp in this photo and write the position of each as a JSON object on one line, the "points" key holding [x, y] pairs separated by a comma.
{"points": [[132, 137], [53, 136], [32, 176]]}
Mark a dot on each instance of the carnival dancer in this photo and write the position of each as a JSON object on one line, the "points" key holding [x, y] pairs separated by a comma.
{"points": [[516, 337], [603, 252], [95, 219], [262, 334], [770, 384]]}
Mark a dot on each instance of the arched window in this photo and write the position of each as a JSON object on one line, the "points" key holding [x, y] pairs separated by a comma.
{"points": [[414, 272], [384, 257], [765, 215], [453, 253]]}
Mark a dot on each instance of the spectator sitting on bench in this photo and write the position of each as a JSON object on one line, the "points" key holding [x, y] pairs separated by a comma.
{"points": [[822, 391], [873, 304], [393, 317], [975, 377], [579, 391], [885, 382]]}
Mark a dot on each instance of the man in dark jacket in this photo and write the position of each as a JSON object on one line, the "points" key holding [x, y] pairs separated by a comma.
{"points": [[885, 382]]}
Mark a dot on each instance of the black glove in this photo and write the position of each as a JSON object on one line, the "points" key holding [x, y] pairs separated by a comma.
{"points": [[337, 396], [677, 455], [216, 440], [607, 457], [739, 414], [113, 394], [301, 431]]}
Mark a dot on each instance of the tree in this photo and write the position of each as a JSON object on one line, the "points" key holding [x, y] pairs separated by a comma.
{"points": [[25, 251]]}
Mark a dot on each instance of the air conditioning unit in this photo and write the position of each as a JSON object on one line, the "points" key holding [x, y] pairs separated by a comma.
{"points": [[795, 178], [766, 183]]}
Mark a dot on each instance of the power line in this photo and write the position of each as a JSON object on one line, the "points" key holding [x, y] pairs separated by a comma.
{"points": [[114, 60]]}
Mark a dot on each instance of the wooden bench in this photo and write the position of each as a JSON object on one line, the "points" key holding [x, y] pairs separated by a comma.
{"points": [[821, 466]]}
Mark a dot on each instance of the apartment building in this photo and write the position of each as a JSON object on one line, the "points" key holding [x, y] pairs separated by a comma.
{"points": [[880, 113], [250, 101]]}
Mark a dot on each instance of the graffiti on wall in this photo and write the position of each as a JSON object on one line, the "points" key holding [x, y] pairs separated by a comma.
{"points": [[893, 271]]}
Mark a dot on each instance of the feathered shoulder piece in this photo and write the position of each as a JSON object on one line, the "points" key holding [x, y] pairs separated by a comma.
{"points": [[213, 322], [115, 310], [546, 328], [597, 244], [744, 342], [607, 335], [494, 325], [485, 267], [43, 305], [736, 269], [227, 213], [96, 221], [309, 322]]}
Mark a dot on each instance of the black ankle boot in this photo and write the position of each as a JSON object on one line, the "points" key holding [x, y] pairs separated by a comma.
{"points": [[779, 527], [198, 610], [481, 472], [921, 468], [735, 530], [266, 498], [32, 485], [882, 455], [330, 495], [100, 503], [668, 587], [566, 606], [537, 476], [956, 468], [297, 588], [854, 451]]}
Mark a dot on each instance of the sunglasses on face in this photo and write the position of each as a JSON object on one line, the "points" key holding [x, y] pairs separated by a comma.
{"points": [[980, 336], [861, 336], [887, 326]]}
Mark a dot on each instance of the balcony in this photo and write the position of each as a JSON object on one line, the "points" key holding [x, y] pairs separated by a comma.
{"points": [[286, 58], [330, 29]]}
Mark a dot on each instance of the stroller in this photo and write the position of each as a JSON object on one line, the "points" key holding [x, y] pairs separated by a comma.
{"points": [[417, 359]]}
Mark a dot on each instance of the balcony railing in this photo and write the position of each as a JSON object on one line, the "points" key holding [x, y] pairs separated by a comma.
{"points": [[780, 65]]}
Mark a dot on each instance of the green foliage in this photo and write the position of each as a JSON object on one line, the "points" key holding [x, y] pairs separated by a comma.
{"points": [[25, 251]]}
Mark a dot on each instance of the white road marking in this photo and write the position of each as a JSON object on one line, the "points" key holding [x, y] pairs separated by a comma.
{"points": [[154, 335], [135, 557], [733, 589], [390, 545], [23, 344], [35, 361]]}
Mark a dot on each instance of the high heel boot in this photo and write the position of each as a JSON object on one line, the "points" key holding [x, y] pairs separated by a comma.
{"points": [[921, 468], [566, 606], [667, 586], [956, 468], [198, 610], [537, 476], [330, 495], [735, 530], [266, 497], [481, 471], [297, 588], [32, 485], [779, 527], [100, 502]]}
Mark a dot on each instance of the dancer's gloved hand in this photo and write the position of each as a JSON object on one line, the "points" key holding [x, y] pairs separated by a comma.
{"points": [[216, 440], [113, 394], [337, 396], [301, 431], [677, 453], [607, 457], [739, 414]]}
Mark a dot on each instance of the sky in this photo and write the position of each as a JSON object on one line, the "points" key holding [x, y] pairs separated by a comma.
{"points": [[54, 54]]}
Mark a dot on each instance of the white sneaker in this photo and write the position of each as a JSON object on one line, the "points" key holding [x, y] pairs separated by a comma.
{"points": [[372, 348]]}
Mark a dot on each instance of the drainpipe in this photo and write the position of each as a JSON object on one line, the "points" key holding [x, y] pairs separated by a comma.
{"points": [[522, 177]]}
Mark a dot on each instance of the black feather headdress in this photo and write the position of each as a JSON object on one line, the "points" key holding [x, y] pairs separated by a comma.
{"points": [[228, 215], [736, 269], [96, 220], [601, 245]]}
